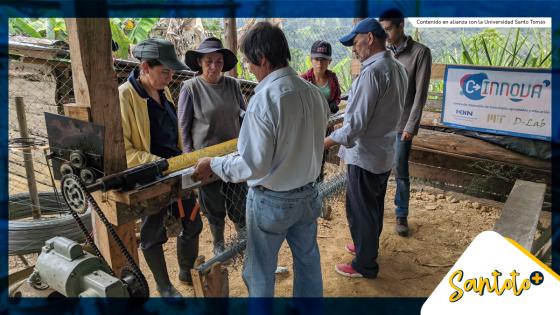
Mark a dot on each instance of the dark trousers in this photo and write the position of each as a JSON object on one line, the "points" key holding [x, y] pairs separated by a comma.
{"points": [[153, 233], [218, 198], [365, 201]]}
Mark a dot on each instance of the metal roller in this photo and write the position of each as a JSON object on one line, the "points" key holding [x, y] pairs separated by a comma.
{"points": [[78, 159], [66, 168], [87, 175]]}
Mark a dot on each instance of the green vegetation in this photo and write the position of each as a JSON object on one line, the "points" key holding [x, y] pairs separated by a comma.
{"points": [[491, 48], [124, 31]]}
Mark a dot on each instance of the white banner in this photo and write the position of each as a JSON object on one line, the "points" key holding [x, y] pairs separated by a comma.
{"points": [[477, 22], [515, 102]]}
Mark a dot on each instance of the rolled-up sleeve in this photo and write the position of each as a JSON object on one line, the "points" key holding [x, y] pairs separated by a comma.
{"points": [[185, 114], [255, 146], [359, 111]]}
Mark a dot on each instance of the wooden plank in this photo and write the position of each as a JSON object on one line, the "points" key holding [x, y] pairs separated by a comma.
{"points": [[37, 52], [521, 212], [474, 165], [198, 277], [130, 205], [471, 147], [78, 112], [95, 85]]}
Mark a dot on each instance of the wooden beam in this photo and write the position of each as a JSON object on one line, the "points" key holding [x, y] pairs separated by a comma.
{"points": [[521, 213], [230, 36], [212, 283], [471, 147], [78, 112], [95, 85]]}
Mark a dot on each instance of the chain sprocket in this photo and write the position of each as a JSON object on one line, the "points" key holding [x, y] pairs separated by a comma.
{"points": [[76, 188], [74, 193]]}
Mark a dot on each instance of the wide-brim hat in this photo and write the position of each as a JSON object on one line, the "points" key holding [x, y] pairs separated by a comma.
{"points": [[210, 45], [160, 50]]}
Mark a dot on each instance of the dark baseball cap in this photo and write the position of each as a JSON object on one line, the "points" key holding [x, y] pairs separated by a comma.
{"points": [[364, 26], [160, 50], [321, 49]]}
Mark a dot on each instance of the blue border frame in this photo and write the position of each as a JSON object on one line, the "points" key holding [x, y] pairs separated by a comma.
{"points": [[259, 8], [489, 130]]}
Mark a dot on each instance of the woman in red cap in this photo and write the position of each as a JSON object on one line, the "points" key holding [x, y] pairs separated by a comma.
{"points": [[321, 76]]}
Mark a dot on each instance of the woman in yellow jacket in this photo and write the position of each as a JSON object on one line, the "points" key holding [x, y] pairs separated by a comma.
{"points": [[151, 132]]}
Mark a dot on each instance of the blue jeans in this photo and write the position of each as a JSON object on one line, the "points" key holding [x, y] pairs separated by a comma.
{"points": [[402, 195], [273, 217]]}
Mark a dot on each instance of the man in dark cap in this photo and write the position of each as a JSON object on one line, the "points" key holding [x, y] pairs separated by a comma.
{"points": [[367, 137], [417, 60], [151, 132]]}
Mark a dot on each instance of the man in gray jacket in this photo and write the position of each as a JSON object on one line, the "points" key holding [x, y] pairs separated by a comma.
{"points": [[417, 60]]}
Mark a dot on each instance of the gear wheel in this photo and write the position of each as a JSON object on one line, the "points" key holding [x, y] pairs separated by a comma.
{"points": [[74, 194]]}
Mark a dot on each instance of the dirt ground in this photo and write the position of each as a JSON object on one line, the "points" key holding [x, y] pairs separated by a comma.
{"points": [[442, 225]]}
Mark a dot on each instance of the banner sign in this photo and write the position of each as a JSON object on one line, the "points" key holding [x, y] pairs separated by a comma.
{"points": [[513, 102]]}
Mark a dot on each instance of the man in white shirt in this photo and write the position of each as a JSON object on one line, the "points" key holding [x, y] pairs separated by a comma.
{"points": [[280, 151]]}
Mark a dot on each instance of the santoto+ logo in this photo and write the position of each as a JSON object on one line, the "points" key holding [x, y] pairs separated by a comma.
{"points": [[494, 284]]}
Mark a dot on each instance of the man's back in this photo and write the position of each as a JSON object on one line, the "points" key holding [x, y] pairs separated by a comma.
{"points": [[296, 114], [375, 105]]}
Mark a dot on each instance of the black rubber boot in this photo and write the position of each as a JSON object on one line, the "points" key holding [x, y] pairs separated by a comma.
{"points": [[156, 261], [217, 238], [187, 251]]}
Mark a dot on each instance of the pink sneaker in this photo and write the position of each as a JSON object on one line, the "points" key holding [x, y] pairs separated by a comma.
{"points": [[347, 270], [350, 248]]}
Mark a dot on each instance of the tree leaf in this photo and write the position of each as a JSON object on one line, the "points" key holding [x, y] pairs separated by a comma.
{"points": [[486, 51], [24, 27], [120, 38]]}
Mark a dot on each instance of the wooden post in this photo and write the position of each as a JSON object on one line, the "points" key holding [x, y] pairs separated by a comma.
{"points": [[28, 160], [95, 85], [230, 36]]}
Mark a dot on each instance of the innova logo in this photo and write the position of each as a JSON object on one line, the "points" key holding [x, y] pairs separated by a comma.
{"points": [[493, 284], [477, 86]]}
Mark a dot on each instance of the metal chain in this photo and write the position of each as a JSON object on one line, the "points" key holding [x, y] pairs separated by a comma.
{"points": [[133, 267]]}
